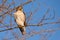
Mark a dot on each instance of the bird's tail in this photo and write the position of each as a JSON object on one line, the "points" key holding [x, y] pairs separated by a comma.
{"points": [[22, 29]]}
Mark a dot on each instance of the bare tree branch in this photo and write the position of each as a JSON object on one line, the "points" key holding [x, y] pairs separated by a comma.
{"points": [[32, 25], [15, 8]]}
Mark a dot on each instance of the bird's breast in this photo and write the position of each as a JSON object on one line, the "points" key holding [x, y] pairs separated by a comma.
{"points": [[20, 16]]}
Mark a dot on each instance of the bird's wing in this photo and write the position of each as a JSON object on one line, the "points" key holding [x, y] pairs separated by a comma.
{"points": [[25, 20]]}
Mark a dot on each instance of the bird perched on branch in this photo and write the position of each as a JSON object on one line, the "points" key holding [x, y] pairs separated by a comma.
{"points": [[20, 19]]}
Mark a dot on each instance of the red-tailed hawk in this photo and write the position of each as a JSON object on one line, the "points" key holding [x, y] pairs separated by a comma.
{"points": [[20, 19]]}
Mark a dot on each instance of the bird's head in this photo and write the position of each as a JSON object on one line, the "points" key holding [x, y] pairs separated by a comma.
{"points": [[19, 8]]}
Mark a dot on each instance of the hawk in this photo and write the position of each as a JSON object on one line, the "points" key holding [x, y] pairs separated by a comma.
{"points": [[20, 19]]}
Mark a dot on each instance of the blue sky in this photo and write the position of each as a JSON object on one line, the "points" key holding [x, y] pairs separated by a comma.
{"points": [[42, 6]]}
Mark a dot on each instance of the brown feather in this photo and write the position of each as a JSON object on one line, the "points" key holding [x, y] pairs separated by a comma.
{"points": [[22, 30]]}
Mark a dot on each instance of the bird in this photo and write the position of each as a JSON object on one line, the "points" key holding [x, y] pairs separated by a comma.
{"points": [[20, 19]]}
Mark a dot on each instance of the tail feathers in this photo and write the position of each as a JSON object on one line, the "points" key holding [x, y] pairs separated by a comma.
{"points": [[22, 29]]}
